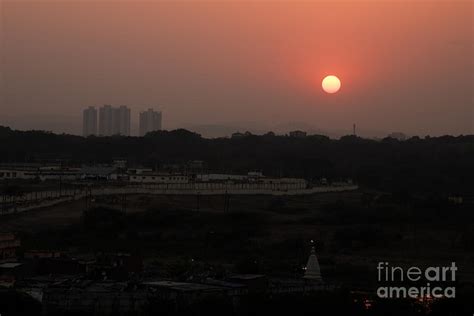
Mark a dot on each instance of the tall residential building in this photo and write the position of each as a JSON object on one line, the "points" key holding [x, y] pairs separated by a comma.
{"points": [[114, 120], [121, 117], [150, 121], [89, 121], [106, 120]]}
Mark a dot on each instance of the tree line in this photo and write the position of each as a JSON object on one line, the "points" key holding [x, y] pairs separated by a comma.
{"points": [[431, 164]]}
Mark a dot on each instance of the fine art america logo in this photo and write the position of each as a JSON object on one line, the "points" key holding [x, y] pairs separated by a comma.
{"points": [[416, 282]]}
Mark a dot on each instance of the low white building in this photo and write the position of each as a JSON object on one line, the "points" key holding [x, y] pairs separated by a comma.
{"points": [[23, 174], [294, 183], [56, 175], [220, 177], [98, 173], [43, 173], [140, 170], [152, 177], [253, 178]]}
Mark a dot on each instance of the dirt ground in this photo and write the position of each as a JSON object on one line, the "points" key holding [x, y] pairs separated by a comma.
{"points": [[336, 221]]}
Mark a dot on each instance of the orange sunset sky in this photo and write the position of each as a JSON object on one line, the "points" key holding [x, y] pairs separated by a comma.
{"points": [[404, 65]]}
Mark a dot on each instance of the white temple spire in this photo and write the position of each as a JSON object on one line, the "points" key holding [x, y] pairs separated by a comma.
{"points": [[313, 271]]}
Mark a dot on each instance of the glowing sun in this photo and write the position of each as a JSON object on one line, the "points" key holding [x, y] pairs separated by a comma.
{"points": [[331, 84]]}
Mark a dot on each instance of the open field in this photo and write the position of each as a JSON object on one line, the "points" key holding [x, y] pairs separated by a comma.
{"points": [[352, 230]]}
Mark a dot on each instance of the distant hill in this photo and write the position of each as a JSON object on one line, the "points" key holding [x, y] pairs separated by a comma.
{"points": [[224, 130], [216, 131]]}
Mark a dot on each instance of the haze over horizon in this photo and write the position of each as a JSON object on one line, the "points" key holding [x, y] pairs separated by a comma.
{"points": [[256, 65]]}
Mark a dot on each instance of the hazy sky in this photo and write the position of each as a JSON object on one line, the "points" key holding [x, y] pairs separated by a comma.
{"points": [[404, 65]]}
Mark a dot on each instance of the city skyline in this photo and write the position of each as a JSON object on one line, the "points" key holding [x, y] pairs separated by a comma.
{"points": [[239, 64], [110, 120]]}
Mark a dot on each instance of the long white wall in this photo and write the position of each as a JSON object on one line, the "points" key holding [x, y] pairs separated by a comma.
{"points": [[36, 200]]}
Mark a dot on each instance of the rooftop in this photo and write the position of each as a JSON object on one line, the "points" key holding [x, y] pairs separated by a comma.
{"points": [[184, 287], [10, 265]]}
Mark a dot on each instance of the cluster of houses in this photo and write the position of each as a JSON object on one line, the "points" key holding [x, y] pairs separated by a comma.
{"points": [[119, 283], [119, 172]]}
